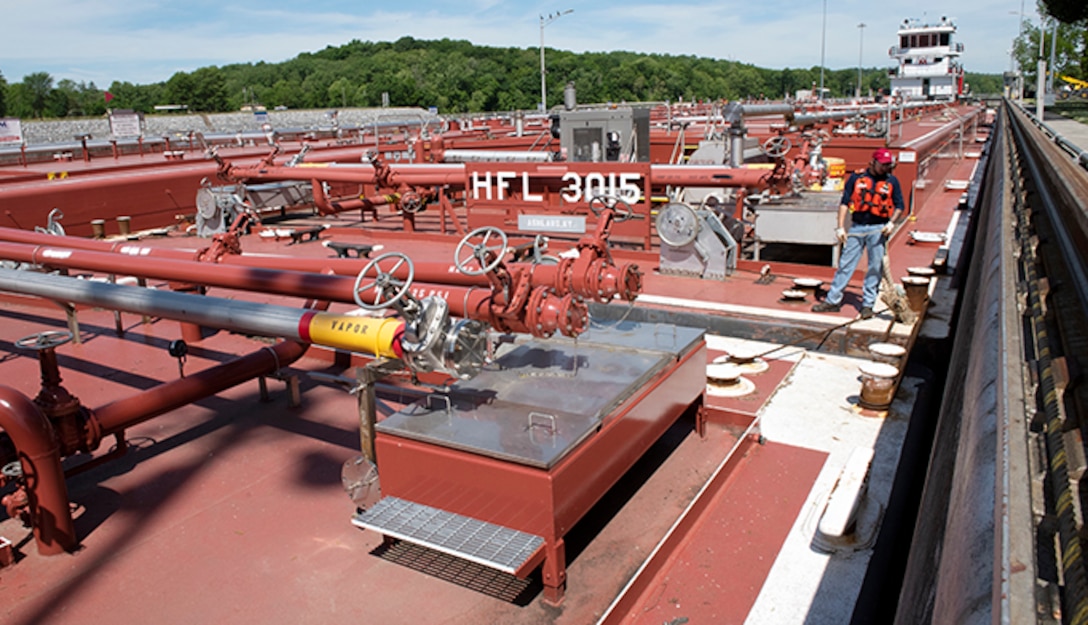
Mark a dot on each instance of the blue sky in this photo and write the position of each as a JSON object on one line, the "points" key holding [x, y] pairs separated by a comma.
{"points": [[147, 41]]}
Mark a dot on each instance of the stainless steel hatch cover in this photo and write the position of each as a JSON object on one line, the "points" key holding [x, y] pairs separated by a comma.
{"points": [[540, 398]]}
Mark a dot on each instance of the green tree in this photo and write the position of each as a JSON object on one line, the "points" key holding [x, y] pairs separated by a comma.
{"points": [[136, 97], [1072, 37], [315, 88], [285, 93], [64, 100], [19, 101], [38, 86], [203, 90], [209, 90], [180, 89], [1070, 43], [3, 95], [341, 93]]}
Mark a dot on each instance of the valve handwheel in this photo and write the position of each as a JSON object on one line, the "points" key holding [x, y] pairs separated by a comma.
{"points": [[12, 470], [387, 288], [478, 251], [621, 211], [44, 340], [777, 146], [677, 224], [410, 202]]}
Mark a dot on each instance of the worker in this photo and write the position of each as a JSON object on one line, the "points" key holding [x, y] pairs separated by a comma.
{"points": [[874, 201]]}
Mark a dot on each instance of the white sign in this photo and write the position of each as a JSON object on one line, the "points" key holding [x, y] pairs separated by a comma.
{"points": [[125, 124], [572, 224], [11, 131]]}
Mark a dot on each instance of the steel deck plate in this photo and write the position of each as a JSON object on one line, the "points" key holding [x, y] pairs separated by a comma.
{"points": [[487, 544], [540, 399]]}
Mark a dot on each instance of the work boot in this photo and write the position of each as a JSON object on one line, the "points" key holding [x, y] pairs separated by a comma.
{"points": [[826, 307], [866, 312]]}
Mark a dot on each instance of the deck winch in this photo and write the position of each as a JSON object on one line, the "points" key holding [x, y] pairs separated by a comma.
{"points": [[218, 207]]}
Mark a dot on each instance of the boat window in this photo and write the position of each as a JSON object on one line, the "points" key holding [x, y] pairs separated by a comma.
{"points": [[904, 41], [923, 41], [914, 41], [944, 39]]}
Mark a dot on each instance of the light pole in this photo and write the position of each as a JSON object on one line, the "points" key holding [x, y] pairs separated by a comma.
{"points": [[1020, 33], [861, 46], [823, 47], [1053, 50], [1040, 72], [544, 21]]}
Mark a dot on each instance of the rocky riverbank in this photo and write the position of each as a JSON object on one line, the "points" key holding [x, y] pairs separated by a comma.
{"points": [[65, 130]]}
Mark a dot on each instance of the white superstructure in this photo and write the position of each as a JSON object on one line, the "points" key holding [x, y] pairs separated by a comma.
{"points": [[928, 56]]}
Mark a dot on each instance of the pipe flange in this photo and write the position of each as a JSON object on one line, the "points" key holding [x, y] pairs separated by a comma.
{"points": [[467, 348], [632, 282], [575, 314], [542, 313]]}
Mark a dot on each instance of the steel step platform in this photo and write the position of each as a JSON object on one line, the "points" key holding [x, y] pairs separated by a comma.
{"points": [[487, 544]]}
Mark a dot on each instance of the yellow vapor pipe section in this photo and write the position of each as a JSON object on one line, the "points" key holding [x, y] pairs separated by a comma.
{"points": [[380, 337]]}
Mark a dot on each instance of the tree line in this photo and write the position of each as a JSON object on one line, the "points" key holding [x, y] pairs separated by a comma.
{"points": [[1064, 31], [453, 75]]}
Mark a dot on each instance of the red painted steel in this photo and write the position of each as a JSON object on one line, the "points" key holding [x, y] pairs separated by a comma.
{"points": [[608, 279], [738, 524], [38, 446], [35, 440], [545, 503], [458, 175], [158, 194], [541, 314], [123, 413], [640, 584]]}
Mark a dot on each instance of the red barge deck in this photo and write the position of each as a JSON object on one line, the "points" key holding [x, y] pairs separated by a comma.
{"points": [[688, 503]]}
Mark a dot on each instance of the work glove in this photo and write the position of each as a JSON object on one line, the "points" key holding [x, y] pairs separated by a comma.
{"points": [[840, 234], [887, 229]]}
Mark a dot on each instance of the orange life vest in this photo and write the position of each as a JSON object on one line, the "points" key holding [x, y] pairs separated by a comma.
{"points": [[872, 196]]}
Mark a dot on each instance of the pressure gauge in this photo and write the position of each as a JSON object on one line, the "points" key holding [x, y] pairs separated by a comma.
{"points": [[677, 224]]}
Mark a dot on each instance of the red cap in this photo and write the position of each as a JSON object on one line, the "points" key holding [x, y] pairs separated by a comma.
{"points": [[882, 155]]}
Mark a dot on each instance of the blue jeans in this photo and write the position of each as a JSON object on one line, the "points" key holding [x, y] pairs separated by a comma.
{"points": [[858, 238]]}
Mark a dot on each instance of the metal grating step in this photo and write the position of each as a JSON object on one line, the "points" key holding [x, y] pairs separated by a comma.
{"points": [[484, 543]]}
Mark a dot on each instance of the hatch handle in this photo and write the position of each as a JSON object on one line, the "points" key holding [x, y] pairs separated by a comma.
{"points": [[544, 420], [445, 398]]}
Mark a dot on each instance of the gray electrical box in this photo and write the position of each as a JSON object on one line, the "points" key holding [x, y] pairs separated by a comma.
{"points": [[620, 134]]}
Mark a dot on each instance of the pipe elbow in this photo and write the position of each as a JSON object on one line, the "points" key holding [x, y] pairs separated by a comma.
{"points": [[25, 423], [39, 452]]}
